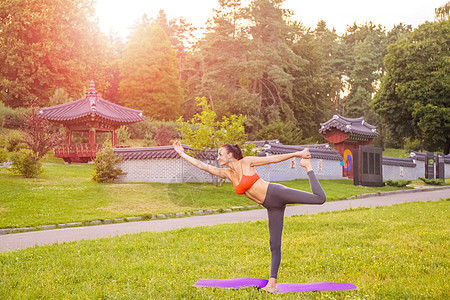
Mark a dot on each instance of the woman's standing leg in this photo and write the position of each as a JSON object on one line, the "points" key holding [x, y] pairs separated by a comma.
{"points": [[276, 218]]}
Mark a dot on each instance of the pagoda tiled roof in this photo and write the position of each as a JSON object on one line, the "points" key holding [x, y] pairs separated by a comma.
{"points": [[356, 126], [92, 104]]}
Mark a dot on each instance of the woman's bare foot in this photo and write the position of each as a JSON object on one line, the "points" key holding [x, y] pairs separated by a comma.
{"points": [[271, 285], [306, 163]]}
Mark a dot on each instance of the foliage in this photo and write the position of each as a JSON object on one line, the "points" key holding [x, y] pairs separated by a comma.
{"points": [[105, 170], [372, 248], [413, 100], [150, 75], [397, 183], [443, 12], [59, 97], [10, 118], [286, 132], [3, 155], [154, 132], [163, 135], [13, 141], [39, 136], [432, 181], [204, 132], [123, 136], [46, 45], [24, 163]]}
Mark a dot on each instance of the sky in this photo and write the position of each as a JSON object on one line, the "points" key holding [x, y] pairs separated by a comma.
{"points": [[120, 15]]}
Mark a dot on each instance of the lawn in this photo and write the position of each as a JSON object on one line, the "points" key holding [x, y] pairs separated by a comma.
{"points": [[393, 252], [391, 152], [66, 193]]}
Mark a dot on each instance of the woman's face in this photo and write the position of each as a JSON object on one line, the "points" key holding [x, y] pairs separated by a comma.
{"points": [[223, 156]]}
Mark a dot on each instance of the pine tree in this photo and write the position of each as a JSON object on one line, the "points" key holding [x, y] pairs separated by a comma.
{"points": [[150, 75]]}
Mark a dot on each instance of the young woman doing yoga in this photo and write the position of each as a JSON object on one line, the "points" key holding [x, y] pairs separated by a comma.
{"points": [[274, 197]]}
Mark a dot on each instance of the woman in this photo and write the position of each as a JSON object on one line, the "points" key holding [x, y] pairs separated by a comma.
{"points": [[274, 197]]}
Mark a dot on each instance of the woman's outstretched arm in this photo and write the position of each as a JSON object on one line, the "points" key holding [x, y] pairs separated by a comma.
{"points": [[199, 164], [255, 161]]}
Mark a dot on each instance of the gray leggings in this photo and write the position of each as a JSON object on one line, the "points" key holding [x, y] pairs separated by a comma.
{"points": [[275, 202]]}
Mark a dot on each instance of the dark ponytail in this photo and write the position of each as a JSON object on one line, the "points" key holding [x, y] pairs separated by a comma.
{"points": [[235, 150]]}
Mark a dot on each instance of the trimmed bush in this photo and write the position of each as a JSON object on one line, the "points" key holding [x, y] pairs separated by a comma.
{"points": [[104, 166], [23, 164], [431, 181], [397, 183]]}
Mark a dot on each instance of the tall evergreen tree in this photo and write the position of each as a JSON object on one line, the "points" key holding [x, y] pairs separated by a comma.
{"points": [[218, 69], [150, 74]]}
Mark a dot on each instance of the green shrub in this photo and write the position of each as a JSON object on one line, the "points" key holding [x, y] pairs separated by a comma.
{"points": [[3, 155], [13, 142], [154, 130], [11, 118], [123, 136], [397, 183], [285, 132], [104, 170], [23, 164], [431, 181]]}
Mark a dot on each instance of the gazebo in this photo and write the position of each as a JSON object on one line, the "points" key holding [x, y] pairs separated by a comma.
{"points": [[90, 114], [348, 134]]}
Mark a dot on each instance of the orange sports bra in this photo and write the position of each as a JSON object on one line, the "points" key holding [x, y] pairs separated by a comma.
{"points": [[246, 182]]}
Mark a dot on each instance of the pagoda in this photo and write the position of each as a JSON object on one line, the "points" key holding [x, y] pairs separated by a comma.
{"points": [[90, 114], [348, 134]]}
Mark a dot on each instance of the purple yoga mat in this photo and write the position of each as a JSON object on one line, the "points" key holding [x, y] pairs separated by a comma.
{"points": [[239, 283]]}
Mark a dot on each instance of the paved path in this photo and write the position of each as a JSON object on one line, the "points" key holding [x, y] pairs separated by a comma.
{"points": [[11, 242]]}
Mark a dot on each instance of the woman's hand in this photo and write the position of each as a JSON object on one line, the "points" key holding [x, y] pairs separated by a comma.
{"points": [[177, 147], [304, 153]]}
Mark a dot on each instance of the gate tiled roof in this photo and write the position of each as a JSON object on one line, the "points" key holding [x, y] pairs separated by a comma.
{"points": [[356, 126], [92, 104]]}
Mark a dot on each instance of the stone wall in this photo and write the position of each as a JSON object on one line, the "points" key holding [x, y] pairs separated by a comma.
{"points": [[173, 169]]}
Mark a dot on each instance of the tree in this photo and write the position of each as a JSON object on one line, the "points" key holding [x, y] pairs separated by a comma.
{"points": [[46, 45], [180, 34], [203, 132], [150, 75], [443, 12], [39, 136], [413, 100], [219, 70]]}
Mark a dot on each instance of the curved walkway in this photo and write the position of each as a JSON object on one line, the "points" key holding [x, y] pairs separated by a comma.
{"points": [[11, 242]]}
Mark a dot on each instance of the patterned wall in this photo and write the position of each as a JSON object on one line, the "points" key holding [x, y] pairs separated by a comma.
{"points": [[177, 170]]}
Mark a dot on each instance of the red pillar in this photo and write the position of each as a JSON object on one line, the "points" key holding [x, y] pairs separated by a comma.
{"points": [[92, 139], [68, 138], [114, 139]]}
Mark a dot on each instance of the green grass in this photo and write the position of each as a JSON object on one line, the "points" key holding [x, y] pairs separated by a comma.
{"points": [[391, 152], [66, 193], [395, 252]]}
